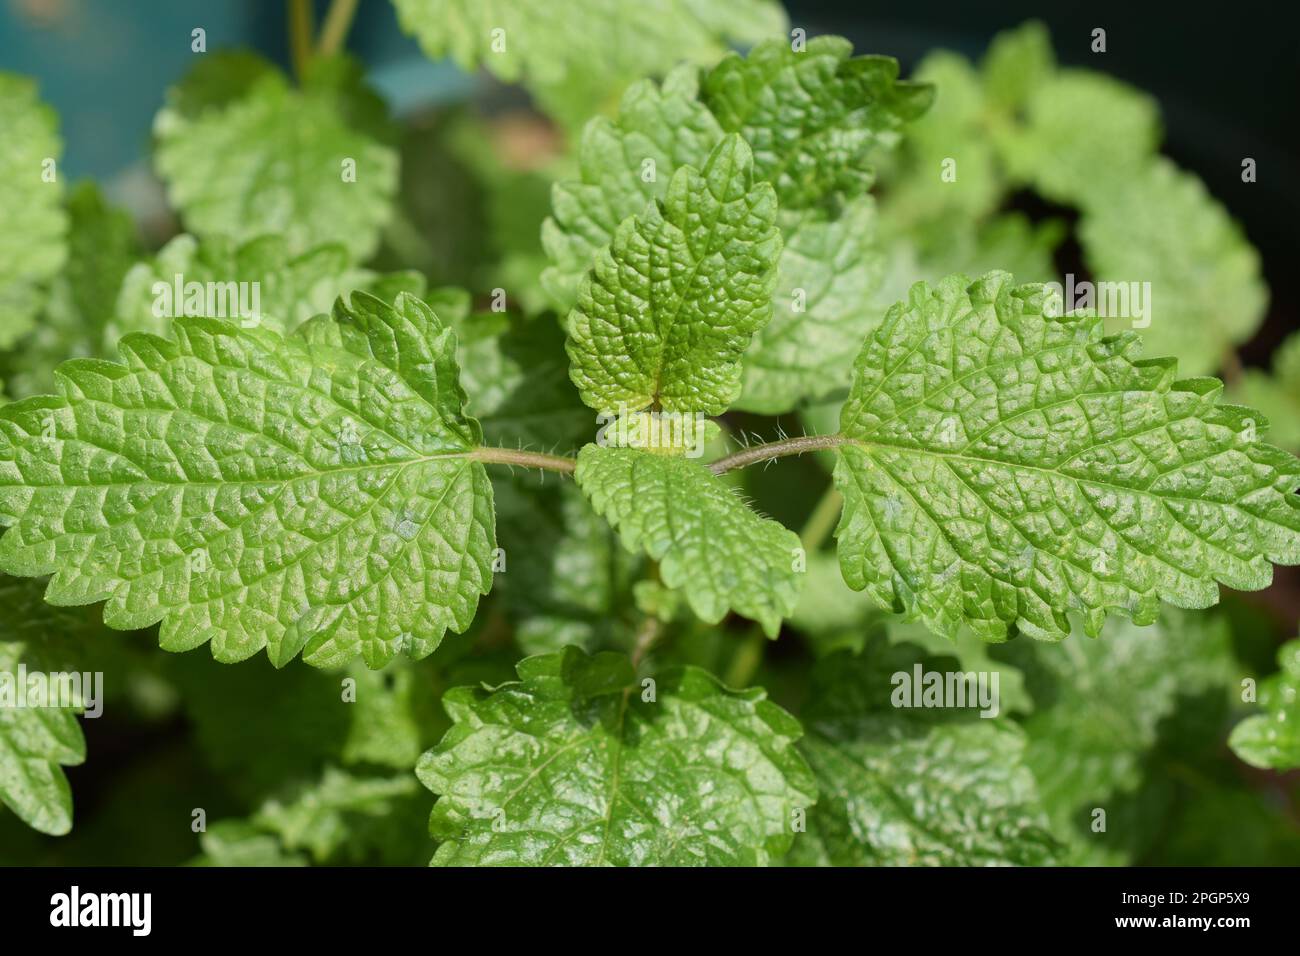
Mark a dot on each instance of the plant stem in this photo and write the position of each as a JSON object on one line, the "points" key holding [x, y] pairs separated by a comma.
{"points": [[334, 31], [776, 449], [822, 520], [744, 664], [1231, 367], [300, 33], [525, 459]]}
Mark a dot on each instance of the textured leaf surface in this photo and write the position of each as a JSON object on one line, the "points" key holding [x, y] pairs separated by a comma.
{"points": [[255, 491], [1272, 739], [32, 221], [574, 57], [36, 741], [570, 766], [812, 117], [622, 164], [1163, 227], [273, 161], [828, 296], [707, 541], [1004, 469], [913, 786], [680, 292]]}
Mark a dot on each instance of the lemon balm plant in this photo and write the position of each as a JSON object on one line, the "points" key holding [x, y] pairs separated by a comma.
{"points": [[333, 472]]}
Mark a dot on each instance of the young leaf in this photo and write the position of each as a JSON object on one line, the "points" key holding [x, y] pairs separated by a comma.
{"points": [[624, 163], [1271, 739], [306, 164], [1003, 469], [33, 224], [676, 298], [706, 539], [573, 57], [812, 116], [912, 785], [257, 491], [575, 764]]}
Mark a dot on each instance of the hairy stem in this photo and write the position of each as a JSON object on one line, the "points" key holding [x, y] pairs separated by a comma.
{"points": [[776, 449], [334, 31], [524, 459], [300, 33]]}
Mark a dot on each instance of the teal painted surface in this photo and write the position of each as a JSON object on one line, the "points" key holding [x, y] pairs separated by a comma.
{"points": [[105, 64]]}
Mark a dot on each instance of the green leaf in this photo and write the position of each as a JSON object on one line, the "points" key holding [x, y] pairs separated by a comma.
{"points": [[575, 764], [568, 579], [102, 246], [828, 297], [216, 80], [1277, 395], [331, 816], [913, 786], [574, 58], [36, 741], [707, 541], [1271, 739], [271, 285], [1100, 702], [1161, 226], [257, 491], [517, 379], [677, 297], [922, 186], [622, 164], [1083, 134], [276, 160], [1018, 62], [813, 116], [1004, 469], [240, 843], [33, 224]]}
